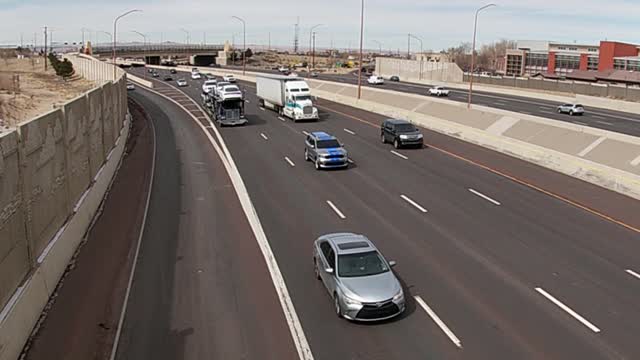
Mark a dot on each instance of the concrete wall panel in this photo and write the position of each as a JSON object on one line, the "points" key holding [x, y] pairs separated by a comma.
{"points": [[14, 256], [43, 168], [616, 154], [567, 141], [76, 137], [109, 121], [95, 130]]}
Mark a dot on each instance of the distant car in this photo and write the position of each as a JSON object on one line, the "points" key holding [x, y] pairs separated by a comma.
{"points": [[130, 86], [375, 80], [182, 82], [208, 86], [219, 86], [229, 78], [155, 74], [150, 70], [325, 151], [571, 109], [292, 74], [173, 71], [400, 133], [438, 91], [283, 69], [195, 70], [314, 74], [209, 77], [230, 92], [168, 78], [196, 76], [394, 78], [357, 277]]}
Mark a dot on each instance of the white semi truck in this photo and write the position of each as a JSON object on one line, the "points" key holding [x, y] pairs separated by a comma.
{"points": [[288, 95]]}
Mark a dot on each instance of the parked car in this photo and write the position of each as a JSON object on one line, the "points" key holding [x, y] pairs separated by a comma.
{"points": [[196, 76], [375, 80], [168, 78], [130, 86], [325, 151], [438, 91], [394, 78], [358, 278], [173, 71], [182, 82], [571, 109], [229, 78], [400, 133]]}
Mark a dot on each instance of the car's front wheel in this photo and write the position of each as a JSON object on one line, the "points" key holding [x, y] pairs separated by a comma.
{"points": [[306, 155], [570, 112], [382, 138], [559, 111], [396, 144], [317, 164]]}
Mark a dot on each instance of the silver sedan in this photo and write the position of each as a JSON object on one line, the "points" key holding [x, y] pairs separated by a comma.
{"points": [[357, 277]]}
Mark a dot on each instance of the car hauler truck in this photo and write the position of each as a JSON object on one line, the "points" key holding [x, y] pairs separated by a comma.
{"points": [[226, 106], [288, 95]]}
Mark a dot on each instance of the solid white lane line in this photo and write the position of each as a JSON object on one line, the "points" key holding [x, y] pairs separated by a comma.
{"points": [[633, 273], [264, 136], [415, 204], [568, 310], [598, 117], [340, 214], [289, 161], [439, 322], [305, 132], [247, 101], [604, 122], [349, 131], [547, 112], [398, 154], [525, 112], [281, 118], [484, 197], [580, 123]]}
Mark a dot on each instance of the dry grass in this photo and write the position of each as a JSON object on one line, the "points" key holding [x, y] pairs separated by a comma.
{"points": [[39, 90]]}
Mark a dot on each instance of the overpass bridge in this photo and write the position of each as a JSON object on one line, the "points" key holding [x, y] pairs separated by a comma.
{"points": [[153, 54]]}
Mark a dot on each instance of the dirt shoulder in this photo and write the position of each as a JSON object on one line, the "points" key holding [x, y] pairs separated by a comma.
{"points": [[27, 90], [85, 309]]}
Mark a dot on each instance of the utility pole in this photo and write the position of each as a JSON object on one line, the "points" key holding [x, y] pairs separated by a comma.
{"points": [[244, 43], [473, 53], [21, 40], [313, 53], [296, 36], [408, 46], [45, 48], [269, 49], [361, 39]]}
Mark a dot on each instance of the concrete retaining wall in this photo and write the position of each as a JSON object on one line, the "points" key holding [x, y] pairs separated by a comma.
{"points": [[54, 172], [418, 71], [601, 157]]}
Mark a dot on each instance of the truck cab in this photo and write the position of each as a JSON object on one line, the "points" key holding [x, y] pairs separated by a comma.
{"points": [[298, 104]]}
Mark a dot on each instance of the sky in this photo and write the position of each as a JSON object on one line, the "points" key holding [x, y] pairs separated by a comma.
{"points": [[440, 24]]}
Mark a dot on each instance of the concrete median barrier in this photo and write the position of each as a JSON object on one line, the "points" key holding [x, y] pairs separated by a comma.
{"points": [[54, 173]]}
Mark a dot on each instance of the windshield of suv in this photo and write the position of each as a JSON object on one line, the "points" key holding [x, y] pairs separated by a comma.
{"points": [[405, 128], [361, 264], [327, 144]]}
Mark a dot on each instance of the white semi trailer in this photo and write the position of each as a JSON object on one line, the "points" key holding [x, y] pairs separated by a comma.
{"points": [[288, 95]]}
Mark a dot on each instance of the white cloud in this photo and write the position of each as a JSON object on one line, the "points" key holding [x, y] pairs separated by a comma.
{"points": [[439, 24]]}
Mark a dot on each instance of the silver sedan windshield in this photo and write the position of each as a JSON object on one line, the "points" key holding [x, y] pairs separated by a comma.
{"points": [[361, 264]]}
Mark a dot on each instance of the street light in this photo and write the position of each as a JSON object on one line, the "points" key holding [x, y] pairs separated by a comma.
{"points": [[115, 35], [144, 47], [473, 52], [83, 31], [421, 52], [310, 49], [108, 33], [188, 41], [244, 43], [361, 39]]}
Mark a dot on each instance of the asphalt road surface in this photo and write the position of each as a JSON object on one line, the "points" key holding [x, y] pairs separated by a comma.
{"points": [[201, 289], [617, 121], [510, 271]]}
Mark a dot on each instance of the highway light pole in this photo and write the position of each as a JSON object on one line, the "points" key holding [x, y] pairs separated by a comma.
{"points": [[108, 33], [361, 39], [310, 49], [115, 35], [188, 41], [144, 48], [244, 43], [473, 52], [421, 51]]}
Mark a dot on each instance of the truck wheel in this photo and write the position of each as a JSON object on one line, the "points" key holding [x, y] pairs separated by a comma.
{"points": [[261, 103]]}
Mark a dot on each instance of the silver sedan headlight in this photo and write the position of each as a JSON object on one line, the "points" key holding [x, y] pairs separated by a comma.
{"points": [[350, 301], [399, 296]]}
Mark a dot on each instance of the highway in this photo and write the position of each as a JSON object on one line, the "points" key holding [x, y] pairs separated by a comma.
{"points": [[617, 121], [512, 272]]}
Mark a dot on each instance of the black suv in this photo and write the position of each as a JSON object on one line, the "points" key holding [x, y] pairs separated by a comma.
{"points": [[400, 133]]}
